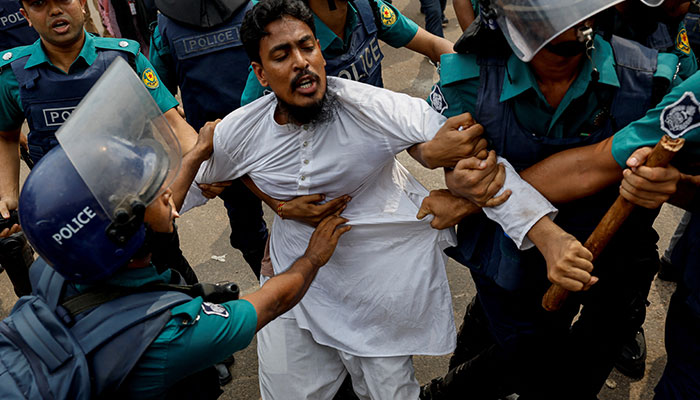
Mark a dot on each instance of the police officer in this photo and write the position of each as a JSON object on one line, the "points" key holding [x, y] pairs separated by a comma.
{"points": [[550, 95], [91, 219], [349, 32], [659, 27], [188, 49], [45, 81]]}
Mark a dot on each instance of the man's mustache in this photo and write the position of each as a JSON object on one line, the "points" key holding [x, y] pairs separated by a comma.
{"points": [[301, 74]]}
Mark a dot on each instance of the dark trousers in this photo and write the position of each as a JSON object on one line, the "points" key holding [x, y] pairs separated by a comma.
{"points": [[546, 356], [434, 11], [248, 229], [681, 378]]}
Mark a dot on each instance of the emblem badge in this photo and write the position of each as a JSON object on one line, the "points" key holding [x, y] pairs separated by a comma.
{"points": [[682, 42], [388, 15], [681, 116], [214, 309], [437, 100], [150, 79]]}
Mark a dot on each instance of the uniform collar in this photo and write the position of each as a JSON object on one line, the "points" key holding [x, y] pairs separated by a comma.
{"points": [[327, 38], [521, 77], [87, 53]]}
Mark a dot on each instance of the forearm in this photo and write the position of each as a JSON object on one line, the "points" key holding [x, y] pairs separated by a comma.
{"points": [[421, 153], [9, 173], [272, 203], [430, 45], [282, 292], [464, 12], [188, 170], [574, 173], [184, 132]]}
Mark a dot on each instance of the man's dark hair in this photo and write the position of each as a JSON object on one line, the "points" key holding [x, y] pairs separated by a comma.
{"points": [[265, 12]]}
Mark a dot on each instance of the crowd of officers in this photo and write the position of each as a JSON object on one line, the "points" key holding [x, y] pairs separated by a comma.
{"points": [[635, 62]]}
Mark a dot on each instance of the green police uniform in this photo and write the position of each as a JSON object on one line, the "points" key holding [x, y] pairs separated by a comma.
{"points": [[678, 113], [198, 335], [12, 113], [457, 90], [396, 32]]}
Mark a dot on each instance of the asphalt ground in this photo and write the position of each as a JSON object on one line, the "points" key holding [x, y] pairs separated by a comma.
{"points": [[204, 233]]}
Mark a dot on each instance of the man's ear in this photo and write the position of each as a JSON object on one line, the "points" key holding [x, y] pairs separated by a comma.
{"points": [[24, 14], [259, 72]]}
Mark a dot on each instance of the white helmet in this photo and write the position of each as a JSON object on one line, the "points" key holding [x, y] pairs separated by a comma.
{"points": [[529, 25]]}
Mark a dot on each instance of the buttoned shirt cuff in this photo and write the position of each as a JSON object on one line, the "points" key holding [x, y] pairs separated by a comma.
{"points": [[522, 210]]}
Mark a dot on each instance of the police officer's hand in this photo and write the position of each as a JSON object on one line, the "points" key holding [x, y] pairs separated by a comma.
{"points": [[479, 180], [646, 186], [324, 239], [6, 205], [447, 208], [306, 209], [212, 190], [459, 138], [205, 140]]}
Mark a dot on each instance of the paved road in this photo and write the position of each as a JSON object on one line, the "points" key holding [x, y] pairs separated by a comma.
{"points": [[204, 233]]}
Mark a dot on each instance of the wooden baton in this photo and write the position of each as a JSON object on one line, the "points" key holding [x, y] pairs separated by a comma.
{"points": [[661, 156]]}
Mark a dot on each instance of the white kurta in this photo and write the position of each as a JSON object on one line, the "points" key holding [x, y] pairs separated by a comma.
{"points": [[384, 291]]}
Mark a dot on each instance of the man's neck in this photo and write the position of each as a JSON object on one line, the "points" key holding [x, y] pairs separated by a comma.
{"points": [[555, 74], [63, 56], [334, 19]]}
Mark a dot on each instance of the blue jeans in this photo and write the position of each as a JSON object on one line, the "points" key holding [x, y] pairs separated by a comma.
{"points": [[434, 12]]}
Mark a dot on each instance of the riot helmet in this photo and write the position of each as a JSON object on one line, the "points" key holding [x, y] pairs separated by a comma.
{"points": [[82, 206], [529, 25], [652, 3]]}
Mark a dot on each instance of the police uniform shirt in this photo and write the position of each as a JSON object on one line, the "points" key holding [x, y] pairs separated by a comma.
{"points": [[677, 115], [457, 91], [396, 32], [12, 113], [198, 335]]}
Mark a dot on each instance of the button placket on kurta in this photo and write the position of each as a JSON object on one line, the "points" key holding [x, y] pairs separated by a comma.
{"points": [[306, 136]]}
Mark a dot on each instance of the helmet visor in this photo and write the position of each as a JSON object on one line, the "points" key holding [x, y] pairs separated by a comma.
{"points": [[653, 3], [529, 25], [119, 142]]}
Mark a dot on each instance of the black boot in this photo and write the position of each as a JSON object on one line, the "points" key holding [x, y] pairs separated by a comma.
{"points": [[632, 360], [484, 377]]}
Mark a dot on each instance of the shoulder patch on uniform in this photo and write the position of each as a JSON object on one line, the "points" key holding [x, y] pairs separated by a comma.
{"points": [[681, 116], [388, 15], [682, 42], [214, 309], [150, 79], [437, 100]]}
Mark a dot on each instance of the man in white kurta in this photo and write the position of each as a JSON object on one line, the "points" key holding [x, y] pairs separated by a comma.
{"points": [[383, 296], [384, 293]]}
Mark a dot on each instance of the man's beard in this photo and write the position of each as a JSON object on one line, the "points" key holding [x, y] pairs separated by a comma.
{"points": [[319, 112]]}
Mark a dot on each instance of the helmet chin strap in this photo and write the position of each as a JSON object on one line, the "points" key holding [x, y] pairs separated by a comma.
{"points": [[584, 34], [331, 5]]}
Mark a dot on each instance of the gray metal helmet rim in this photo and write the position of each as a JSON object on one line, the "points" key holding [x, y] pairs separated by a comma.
{"points": [[200, 13]]}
